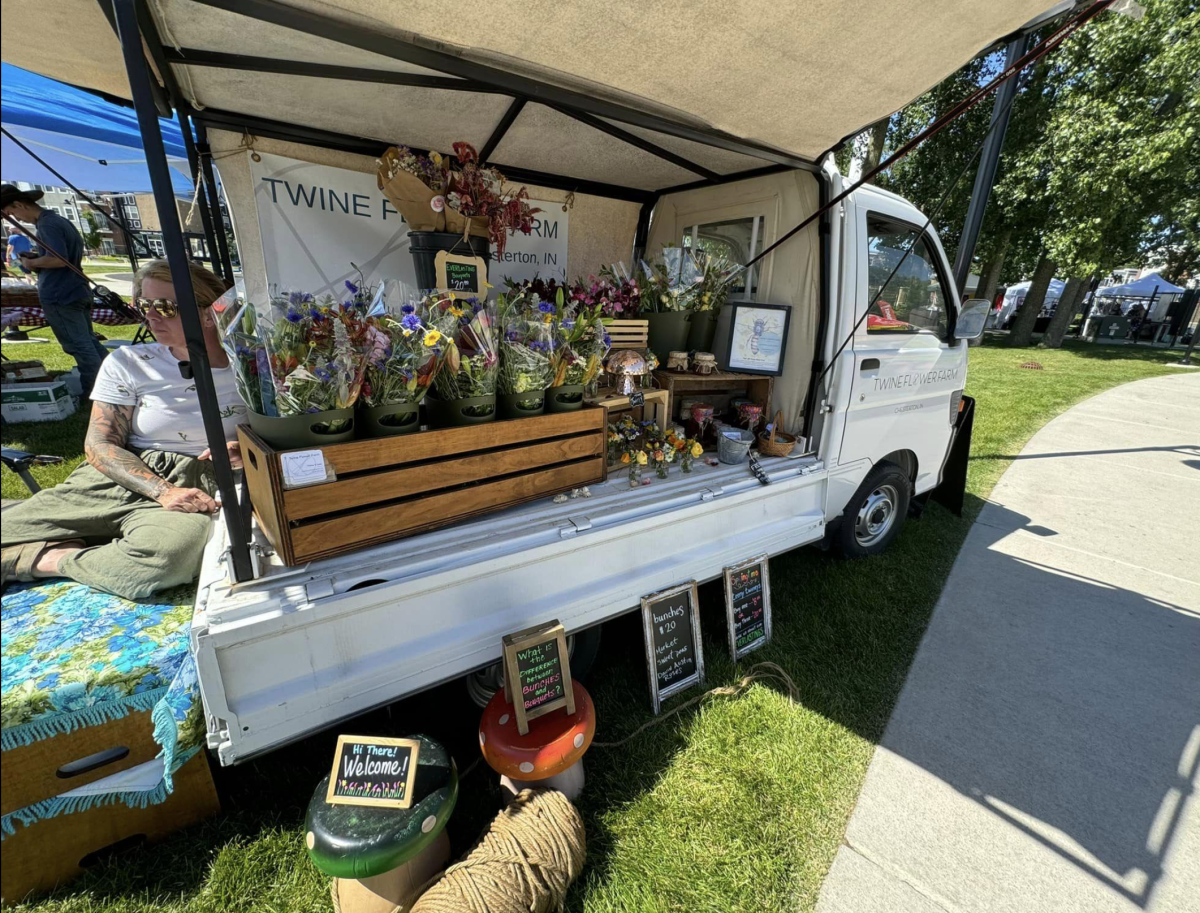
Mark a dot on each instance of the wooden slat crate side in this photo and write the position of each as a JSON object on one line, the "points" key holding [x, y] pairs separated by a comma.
{"points": [[331, 537], [378, 453], [305, 503], [263, 477]]}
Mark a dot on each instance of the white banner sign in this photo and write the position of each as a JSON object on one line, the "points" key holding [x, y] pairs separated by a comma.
{"points": [[315, 220]]}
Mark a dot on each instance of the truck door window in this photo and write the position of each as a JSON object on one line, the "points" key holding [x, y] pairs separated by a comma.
{"points": [[734, 241], [914, 299]]}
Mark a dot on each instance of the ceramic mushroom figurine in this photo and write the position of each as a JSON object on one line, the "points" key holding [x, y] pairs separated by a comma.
{"points": [[379, 856], [549, 756]]}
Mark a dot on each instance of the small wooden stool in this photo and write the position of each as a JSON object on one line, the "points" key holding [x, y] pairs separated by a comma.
{"points": [[379, 857], [549, 756]]}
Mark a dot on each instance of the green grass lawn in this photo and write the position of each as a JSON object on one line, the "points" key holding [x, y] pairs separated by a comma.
{"points": [[736, 805]]}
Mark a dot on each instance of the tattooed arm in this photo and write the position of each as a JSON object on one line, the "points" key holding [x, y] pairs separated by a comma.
{"points": [[105, 448]]}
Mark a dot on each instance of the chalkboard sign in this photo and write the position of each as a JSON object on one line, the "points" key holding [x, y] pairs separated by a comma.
{"points": [[748, 606], [373, 771], [637, 398], [464, 275], [537, 672], [674, 655]]}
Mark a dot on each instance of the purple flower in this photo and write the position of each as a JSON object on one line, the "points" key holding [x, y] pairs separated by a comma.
{"points": [[324, 374], [411, 322], [353, 289], [315, 314], [607, 341], [546, 307], [406, 375], [294, 316], [512, 335], [568, 324], [298, 298], [407, 309]]}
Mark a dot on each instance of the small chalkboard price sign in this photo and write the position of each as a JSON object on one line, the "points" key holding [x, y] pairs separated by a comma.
{"points": [[748, 606], [464, 275], [373, 771], [537, 672], [674, 654]]}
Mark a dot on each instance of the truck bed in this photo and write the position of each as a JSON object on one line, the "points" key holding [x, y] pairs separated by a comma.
{"points": [[298, 649]]}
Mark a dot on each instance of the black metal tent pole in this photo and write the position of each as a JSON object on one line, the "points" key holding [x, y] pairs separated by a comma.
{"points": [[210, 239], [164, 200], [214, 195], [985, 175]]}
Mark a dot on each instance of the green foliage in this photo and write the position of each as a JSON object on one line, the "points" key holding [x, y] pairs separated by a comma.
{"points": [[92, 238]]}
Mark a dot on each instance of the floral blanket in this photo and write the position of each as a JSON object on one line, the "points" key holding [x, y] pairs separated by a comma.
{"points": [[71, 656]]}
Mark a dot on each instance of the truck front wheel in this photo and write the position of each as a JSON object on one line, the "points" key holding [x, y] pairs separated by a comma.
{"points": [[873, 517]]}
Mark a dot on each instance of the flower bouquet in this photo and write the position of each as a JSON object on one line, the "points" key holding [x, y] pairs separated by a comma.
{"points": [[710, 296], [237, 326], [527, 336], [668, 293], [415, 185], [466, 384], [582, 343], [402, 360], [477, 203]]}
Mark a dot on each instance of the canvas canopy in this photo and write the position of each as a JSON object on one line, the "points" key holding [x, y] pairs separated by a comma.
{"points": [[94, 143], [633, 97], [1015, 294], [1141, 288]]}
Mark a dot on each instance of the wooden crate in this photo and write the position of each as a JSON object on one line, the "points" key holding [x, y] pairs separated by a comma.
{"points": [[38, 857], [628, 334], [657, 408], [50, 767], [717, 388], [389, 488]]}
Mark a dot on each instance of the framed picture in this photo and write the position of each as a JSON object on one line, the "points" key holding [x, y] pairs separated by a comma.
{"points": [[757, 337]]}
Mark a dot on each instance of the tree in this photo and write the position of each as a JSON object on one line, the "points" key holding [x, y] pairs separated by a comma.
{"points": [[1027, 315], [92, 238]]}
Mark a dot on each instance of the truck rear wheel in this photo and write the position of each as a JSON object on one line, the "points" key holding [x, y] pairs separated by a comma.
{"points": [[873, 517]]}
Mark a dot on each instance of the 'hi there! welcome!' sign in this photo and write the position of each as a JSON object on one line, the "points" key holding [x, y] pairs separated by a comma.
{"points": [[537, 672], [371, 771]]}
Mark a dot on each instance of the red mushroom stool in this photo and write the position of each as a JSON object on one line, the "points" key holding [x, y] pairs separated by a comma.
{"points": [[549, 756]]}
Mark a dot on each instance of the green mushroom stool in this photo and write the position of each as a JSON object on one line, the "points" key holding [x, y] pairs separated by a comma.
{"points": [[379, 857]]}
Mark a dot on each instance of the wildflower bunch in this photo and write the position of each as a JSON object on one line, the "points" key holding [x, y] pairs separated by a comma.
{"points": [[401, 355], [527, 342], [466, 328]]}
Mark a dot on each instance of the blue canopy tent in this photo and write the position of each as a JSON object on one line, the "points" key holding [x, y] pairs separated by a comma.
{"points": [[94, 143]]}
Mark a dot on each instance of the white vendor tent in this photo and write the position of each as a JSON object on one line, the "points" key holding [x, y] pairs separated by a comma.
{"points": [[1014, 297], [1152, 285]]}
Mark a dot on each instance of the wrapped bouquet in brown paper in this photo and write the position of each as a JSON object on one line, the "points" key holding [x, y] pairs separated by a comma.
{"points": [[416, 186], [477, 204]]}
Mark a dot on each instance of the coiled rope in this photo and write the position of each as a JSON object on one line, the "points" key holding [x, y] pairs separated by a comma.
{"points": [[523, 863]]}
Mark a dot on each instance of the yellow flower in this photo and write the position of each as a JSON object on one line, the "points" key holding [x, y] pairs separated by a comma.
{"points": [[436, 159], [455, 310], [697, 450], [432, 338], [642, 458]]}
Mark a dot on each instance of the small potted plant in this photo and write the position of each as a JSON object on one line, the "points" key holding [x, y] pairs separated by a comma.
{"points": [[581, 344], [527, 336], [668, 293], [403, 358], [710, 296]]}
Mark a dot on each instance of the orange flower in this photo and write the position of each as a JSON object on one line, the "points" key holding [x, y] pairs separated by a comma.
{"points": [[625, 457]]}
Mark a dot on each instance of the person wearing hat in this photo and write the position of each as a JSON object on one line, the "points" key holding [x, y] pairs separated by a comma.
{"points": [[65, 294]]}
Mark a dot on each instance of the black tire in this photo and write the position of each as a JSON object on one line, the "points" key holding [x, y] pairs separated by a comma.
{"points": [[876, 513], [584, 651]]}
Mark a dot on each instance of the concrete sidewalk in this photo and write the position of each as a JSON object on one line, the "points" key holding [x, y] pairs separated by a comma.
{"points": [[1045, 750]]}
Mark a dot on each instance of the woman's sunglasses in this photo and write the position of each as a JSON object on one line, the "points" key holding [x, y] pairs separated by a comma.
{"points": [[165, 306]]}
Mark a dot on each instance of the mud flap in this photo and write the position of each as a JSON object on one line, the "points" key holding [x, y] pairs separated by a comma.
{"points": [[952, 492]]}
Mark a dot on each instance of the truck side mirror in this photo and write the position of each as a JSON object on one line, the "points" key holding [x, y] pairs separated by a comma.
{"points": [[972, 319]]}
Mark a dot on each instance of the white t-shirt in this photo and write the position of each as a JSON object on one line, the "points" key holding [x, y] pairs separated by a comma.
{"points": [[166, 413]]}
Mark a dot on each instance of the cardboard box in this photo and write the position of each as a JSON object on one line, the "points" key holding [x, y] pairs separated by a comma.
{"points": [[43, 402]]}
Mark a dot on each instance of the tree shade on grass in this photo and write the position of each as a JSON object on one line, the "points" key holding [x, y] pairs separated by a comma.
{"points": [[738, 805]]}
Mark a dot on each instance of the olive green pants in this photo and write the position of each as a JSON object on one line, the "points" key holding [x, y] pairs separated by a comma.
{"points": [[135, 547]]}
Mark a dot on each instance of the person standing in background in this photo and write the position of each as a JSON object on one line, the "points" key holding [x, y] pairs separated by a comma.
{"points": [[65, 294], [18, 243]]}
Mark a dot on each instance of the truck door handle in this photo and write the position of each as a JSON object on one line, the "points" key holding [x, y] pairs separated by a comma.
{"points": [[869, 364]]}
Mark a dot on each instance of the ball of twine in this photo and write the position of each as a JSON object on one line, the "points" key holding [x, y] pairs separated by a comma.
{"points": [[523, 863]]}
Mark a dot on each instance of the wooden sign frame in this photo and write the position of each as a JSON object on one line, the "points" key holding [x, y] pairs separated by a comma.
{"points": [[697, 677], [343, 741], [444, 257], [523, 640], [727, 574]]}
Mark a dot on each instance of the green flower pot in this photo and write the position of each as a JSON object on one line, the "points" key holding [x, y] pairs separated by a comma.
{"points": [[520, 405], [471, 410], [313, 429], [567, 398], [385, 421], [668, 331], [702, 330]]}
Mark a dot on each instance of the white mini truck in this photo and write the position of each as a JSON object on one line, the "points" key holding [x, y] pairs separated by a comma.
{"points": [[714, 129]]}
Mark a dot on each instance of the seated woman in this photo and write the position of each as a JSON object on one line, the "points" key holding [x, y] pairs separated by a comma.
{"points": [[135, 517]]}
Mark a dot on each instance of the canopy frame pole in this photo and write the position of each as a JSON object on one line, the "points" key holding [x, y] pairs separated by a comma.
{"points": [[312, 136], [389, 45], [985, 175], [164, 199], [210, 240], [214, 196], [510, 115], [641, 234]]}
